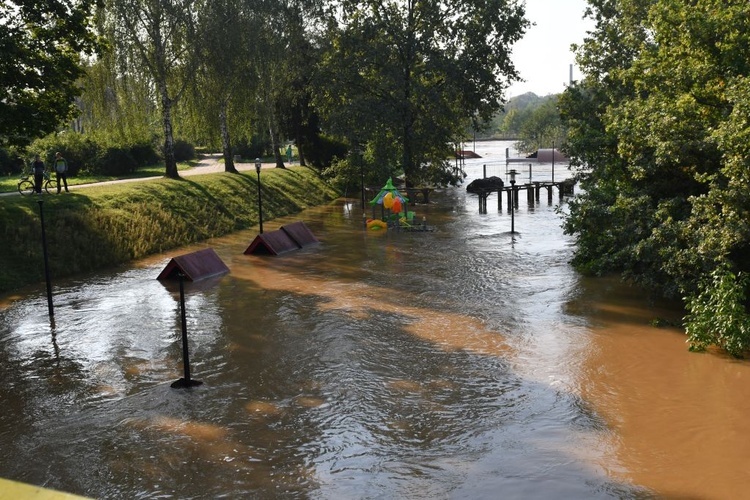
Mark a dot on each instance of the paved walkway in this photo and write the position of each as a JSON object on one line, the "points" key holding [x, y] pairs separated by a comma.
{"points": [[211, 164]]}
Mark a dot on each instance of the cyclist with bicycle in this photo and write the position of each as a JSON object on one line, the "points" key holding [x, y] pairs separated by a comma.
{"points": [[37, 168]]}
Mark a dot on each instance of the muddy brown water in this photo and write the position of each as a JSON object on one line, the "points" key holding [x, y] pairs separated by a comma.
{"points": [[461, 363]]}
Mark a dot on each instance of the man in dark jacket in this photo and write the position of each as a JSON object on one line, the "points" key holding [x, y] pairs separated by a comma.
{"points": [[37, 168]]}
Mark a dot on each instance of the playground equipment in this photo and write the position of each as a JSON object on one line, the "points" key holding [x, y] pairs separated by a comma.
{"points": [[394, 211]]}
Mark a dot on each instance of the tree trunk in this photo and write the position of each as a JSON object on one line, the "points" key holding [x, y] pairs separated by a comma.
{"points": [[226, 144], [166, 110], [300, 153], [276, 145]]}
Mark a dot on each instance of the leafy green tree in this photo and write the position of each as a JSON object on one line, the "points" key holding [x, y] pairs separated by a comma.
{"points": [[42, 42], [611, 216], [541, 127], [298, 119], [516, 112], [117, 108], [272, 76], [413, 74], [160, 36], [658, 130], [225, 79]]}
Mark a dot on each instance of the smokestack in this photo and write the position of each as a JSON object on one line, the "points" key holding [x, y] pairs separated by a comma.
{"points": [[571, 75]]}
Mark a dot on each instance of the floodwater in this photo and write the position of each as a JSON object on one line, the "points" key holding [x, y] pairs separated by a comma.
{"points": [[466, 362]]}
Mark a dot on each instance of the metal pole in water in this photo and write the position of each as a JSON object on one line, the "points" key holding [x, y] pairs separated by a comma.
{"points": [[553, 161], [513, 195], [186, 381], [260, 199]]}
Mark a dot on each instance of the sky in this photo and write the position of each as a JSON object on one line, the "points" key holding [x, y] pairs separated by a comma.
{"points": [[543, 57]]}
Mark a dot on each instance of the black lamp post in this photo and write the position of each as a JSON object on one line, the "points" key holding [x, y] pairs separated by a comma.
{"points": [[186, 381], [260, 201], [512, 200]]}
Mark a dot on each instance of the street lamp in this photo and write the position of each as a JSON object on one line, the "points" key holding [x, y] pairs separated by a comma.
{"points": [[260, 201], [512, 200]]}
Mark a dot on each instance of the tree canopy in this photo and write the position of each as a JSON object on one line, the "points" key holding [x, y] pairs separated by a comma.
{"points": [[534, 121], [42, 42], [400, 79], [659, 137], [415, 73]]}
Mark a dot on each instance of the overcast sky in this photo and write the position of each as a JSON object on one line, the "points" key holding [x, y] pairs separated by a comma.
{"points": [[543, 56]]}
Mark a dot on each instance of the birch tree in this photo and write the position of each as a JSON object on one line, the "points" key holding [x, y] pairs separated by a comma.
{"points": [[226, 81], [159, 35]]}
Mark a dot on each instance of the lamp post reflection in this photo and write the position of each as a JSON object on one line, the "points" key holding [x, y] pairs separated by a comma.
{"points": [[512, 201], [360, 159], [46, 261], [260, 201]]}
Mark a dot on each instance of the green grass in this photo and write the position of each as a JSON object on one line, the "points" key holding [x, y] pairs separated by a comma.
{"points": [[102, 226]]}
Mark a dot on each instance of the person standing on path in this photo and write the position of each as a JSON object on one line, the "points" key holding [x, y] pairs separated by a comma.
{"points": [[61, 169], [37, 168]]}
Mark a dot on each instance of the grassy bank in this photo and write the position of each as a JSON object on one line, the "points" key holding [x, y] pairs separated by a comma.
{"points": [[102, 226], [9, 183]]}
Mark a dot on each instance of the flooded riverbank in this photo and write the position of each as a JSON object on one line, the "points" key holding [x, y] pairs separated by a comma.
{"points": [[461, 363]]}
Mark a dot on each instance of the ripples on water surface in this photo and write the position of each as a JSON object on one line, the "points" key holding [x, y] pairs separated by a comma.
{"points": [[462, 363]]}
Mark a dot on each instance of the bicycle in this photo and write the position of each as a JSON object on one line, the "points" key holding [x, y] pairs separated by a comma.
{"points": [[26, 186]]}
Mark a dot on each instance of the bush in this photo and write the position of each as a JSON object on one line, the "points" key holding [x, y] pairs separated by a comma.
{"points": [[717, 315], [343, 175], [183, 150], [10, 162], [321, 151], [79, 150], [115, 161], [255, 147], [144, 154], [86, 155]]}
